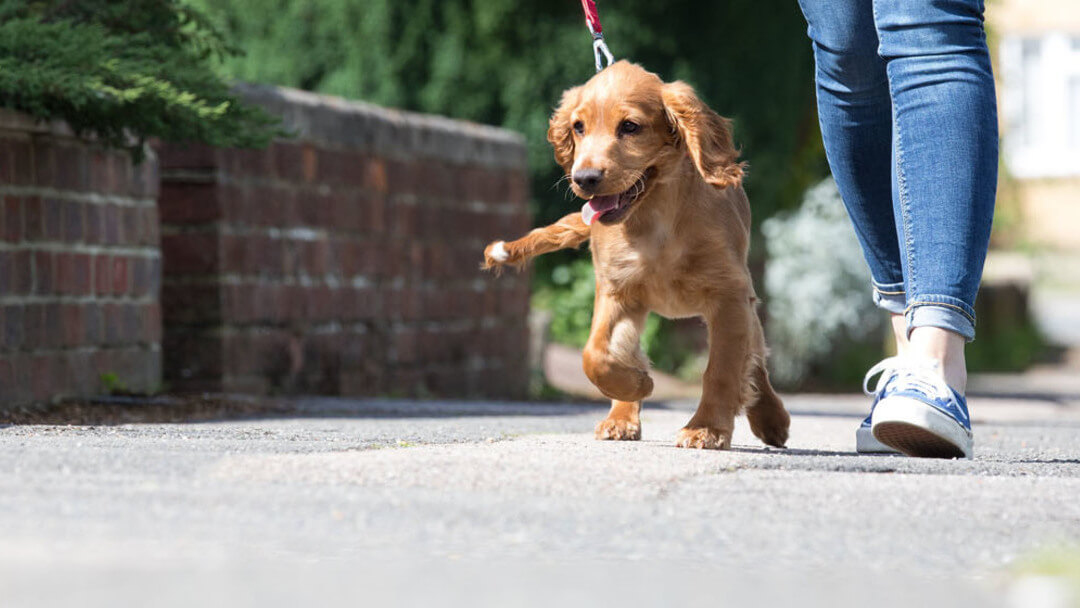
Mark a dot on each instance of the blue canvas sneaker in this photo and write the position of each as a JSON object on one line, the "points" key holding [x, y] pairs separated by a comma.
{"points": [[918, 414], [865, 442]]}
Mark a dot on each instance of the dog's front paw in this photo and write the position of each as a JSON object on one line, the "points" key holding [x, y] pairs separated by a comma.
{"points": [[704, 438], [618, 429], [495, 255]]}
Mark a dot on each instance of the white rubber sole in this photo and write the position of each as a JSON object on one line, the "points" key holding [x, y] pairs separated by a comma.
{"points": [[866, 443], [917, 429]]}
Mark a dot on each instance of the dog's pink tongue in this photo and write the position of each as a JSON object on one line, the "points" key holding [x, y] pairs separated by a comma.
{"points": [[598, 206]]}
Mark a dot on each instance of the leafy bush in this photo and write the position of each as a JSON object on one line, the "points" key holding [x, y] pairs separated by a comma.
{"points": [[123, 71], [821, 318]]}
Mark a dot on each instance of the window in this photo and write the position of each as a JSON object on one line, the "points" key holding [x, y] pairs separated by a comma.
{"points": [[1041, 105]]}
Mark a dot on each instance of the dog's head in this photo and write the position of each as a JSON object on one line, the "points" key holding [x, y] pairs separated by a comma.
{"points": [[623, 128]]}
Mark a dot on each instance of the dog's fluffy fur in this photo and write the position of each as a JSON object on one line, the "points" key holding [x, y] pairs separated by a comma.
{"points": [[678, 248]]}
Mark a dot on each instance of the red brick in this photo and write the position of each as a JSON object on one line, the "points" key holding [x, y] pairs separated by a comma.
{"points": [[402, 177], [486, 185], [72, 168], [11, 330], [78, 368], [375, 177], [248, 162], [8, 381], [189, 253], [122, 174], [120, 274], [42, 326], [189, 203], [74, 324], [11, 219], [52, 210], [142, 275], [33, 219], [44, 166], [268, 206], [233, 253], [43, 378], [151, 234], [112, 314], [95, 224], [129, 221], [22, 162], [323, 304], [19, 271], [112, 225], [296, 297], [94, 323], [346, 213], [140, 270], [73, 273], [102, 275], [187, 156], [269, 253], [7, 169], [309, 160], [405, 219], [332, 165], [74, 221], [191, 304], [44, 272], [436, 179], [101, 170], [288, 159], [314, 257], [131, 323], [152, 322]]}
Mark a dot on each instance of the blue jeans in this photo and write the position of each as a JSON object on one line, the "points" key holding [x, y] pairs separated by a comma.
{"points": [[909, 121]]}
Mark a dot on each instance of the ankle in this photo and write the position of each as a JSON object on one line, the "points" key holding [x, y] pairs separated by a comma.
{"points": [[946, 349], [899, 327]]}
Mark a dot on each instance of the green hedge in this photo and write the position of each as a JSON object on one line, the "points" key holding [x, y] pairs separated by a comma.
{"points": [[124, 71]]}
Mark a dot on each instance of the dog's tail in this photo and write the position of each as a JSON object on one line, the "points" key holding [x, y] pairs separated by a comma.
{"points": [[569, 232]]}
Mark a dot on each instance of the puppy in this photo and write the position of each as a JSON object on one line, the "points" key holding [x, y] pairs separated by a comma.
{"points": [[670, 229]]}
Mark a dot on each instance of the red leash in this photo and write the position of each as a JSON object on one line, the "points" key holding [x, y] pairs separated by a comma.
{"points": [[600, 49]]}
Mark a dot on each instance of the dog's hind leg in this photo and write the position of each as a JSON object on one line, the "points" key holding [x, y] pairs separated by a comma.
{"points": [[768, 418], [568, 232], [623, 422]]}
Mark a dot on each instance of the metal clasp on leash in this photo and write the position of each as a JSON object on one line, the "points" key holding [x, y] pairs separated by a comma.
{"points": [[601, 52], [592, 20]]}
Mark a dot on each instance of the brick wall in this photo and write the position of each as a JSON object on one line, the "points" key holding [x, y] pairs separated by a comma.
{"points": [[345, 261], [79, 266]]}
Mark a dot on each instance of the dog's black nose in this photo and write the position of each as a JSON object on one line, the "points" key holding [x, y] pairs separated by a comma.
{"points": [[587, 179]]}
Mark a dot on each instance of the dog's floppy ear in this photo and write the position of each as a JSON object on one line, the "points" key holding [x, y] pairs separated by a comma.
{"points": [[707, 135], [560, 132]]}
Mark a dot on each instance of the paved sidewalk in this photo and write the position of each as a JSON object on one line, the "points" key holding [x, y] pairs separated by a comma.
{"points": [[458, 503]]}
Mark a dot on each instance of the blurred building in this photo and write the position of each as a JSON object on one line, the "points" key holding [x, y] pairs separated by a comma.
{"points": [[1036, 44]]}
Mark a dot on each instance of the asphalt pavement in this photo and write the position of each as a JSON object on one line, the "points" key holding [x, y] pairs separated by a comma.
{"points": [[358, 502]]}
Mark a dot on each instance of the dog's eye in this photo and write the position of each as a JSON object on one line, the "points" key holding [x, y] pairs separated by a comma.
{"points": [[579, 127], [628, 127]]}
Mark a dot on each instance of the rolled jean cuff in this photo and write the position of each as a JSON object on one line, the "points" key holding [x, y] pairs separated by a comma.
{"points": [[890, 297], [944, 312]]}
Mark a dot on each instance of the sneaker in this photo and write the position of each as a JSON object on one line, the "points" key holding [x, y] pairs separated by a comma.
{"points": [[865, 442], [918, 413]]}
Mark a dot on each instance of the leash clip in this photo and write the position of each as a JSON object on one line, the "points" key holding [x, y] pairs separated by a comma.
{"points": [[601, 52]]}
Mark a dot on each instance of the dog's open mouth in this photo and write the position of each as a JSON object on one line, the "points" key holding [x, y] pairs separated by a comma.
{"points": [[611, 208]]}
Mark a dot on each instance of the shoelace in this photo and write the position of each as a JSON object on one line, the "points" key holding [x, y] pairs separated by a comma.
{"points": [[919, 374]]}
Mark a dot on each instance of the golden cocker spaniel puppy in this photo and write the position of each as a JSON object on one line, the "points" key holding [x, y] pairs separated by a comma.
{"points": [[669, 226]]}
